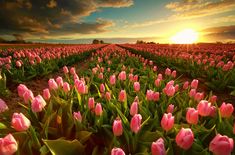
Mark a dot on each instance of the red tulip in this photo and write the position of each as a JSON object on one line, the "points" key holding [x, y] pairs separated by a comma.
{"points": [[185, 138]]}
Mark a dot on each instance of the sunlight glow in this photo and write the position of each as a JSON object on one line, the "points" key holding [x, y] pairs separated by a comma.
{"points": [[187, 36]]}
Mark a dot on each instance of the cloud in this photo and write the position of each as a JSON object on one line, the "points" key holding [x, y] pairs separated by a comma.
{"points": [[52, 17], [222, 33], [198, 8]]}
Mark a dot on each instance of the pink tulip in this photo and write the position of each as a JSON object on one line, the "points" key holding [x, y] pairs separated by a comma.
{"points": [[122, 96], [91, 103], [134, 108], [136, 123], [102, 88], [18, 64], [169, 90], [221, 145], [20, 122], [168, 72], [46, 94], [213, 99], [8, 145], [59, 81], [38, 104], [72, 71], [204, 108], [167, 121], [194, 84], [226, 110], [192, 116], [198, 96], [66, 87], [186, 84], [157, 82], [173, 74], [21, 89], [135, 78], [136, 86], [108, 96], [101, 76], [122, 76], [65, 70], [52, 84], [81, 88], [170, 108], [28, 96], [117, 127], [149, 95], [77, 116], [112, 79], [213, 111], [3, 106], [192, 93], [176, 88], [155, 96], [159, 76], [185, 138], [154, 68], [98, 109], [117, 151], [158, 147]]}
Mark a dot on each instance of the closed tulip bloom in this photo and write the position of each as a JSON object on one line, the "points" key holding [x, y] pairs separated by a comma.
{"points": [[3, 106], [192, 116], [213, 111], [194, 84], [122, 96], [135, 78], [20, 122], [21, 89], [52, 84], [186, 84], [192, 93], [108, 96], [221, 145], [173, 74], [46, 94], [59, 81], [176, 88], [226, 110], [77, 116], [18, 64], [198, 96], [65, 70], [168, 72], [117, 127], [170, 108], [112, 79], [38, 104], [72, 71], [155, 96], [136, 123], [28, 96], [91, 103], [184, 139], [98, 109], [81, 88], [204, 108], [101, 76], [136, 86], [169, 90], [102, 88], [154, 68], [66, 87], [134, 108], [213, 99], [149, 95], [117, 151], [122, 76], [157, 82], [159, 76], [167, 121], [8, 145], [158, 147]]}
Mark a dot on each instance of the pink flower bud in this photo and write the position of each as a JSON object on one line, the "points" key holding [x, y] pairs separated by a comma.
{"points": [[213, 99], [192, 93], [102, 88], [28, 96], [204, 108], [221, 145], [157, 82], [66, 87], [194, 84], [158, 147], [117, 127], [65, 70], [226, 110], [134, 108], [149, 95], [170, 108], [77, 116], [8, 145], [213, 111], [186, 84], [46, 94], [108, 96], [136, 123], [3, 106], [59, 81], [18, 64], [20, 122], [21, 89], [198, 96], [91, 103], [100, 76], [159, 76], [168, 72], [112, 79], [155, 96], [38, 104], [72, 71], [167, 121], [98, 109], [169, 90], [52, 84], [185, 138], [192, 116], [136, 86], [154, 68], [122, 76], [117, 151], [135, 78], [173, 74], [122, 96]]}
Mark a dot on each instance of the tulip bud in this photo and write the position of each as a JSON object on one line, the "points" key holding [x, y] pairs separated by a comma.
{"points": [[117, 127], [226, 110], [136, 123], [52, 84], [38, 104], [21, 89], [185, 138], [66, 87], [8, 145], [194, 84], [98, 109], [192, 116], [59, 81], [102, 88], [3, 106], [46, 94], [122, 96], [117, 151], [65, 70], [204, 108], [158, 147], [167, 121], [28, 96], [185, 86], [134, 108], [108, 96], [170, 108], [91, 103], [20, 122], [136, 86], [112, 79], [77, 116], [122, 76]]}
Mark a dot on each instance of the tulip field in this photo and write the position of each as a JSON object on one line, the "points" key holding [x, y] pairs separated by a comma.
{"points": [[127, 99]]}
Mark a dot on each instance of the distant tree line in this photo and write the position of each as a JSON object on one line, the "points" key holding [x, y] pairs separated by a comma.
{"points": [[96, 41], [144, 42]]}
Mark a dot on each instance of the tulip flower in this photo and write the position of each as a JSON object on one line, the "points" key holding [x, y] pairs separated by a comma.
{"points": [[117, 127], [157, 82], [66, 87], [149, 95], [28, 96], [108, 96], [134, 108], [77, 116], [167, 121], [122, 76], [3, 106], [21, 89], [91, 103], [102, 88], [117, 151], [192, 116], [170, 108], [221, 145], [136, 123], [186, 84], [204, 108], [52, 84], [38, 104], [169, 90], [173, 74], [65, 70], [59, 81], [184, 139], [194, 84], [46, 94], [8, 145], [122, 96], [158, 147], [98, 109], [72, 71], [226, 110], [112, 79], [20, 122], [136, 86], [155, 96], [168, 72]]}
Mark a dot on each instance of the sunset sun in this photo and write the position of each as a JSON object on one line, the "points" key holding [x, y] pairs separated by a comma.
{"points": [[186, 36]]}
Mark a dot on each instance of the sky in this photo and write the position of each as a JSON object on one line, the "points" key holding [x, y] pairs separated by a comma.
{"points": [[116, 21]]}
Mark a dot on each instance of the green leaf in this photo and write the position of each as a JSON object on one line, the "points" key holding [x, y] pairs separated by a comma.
{"points": [[62, 147], [2, 126], [83, 136]]}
